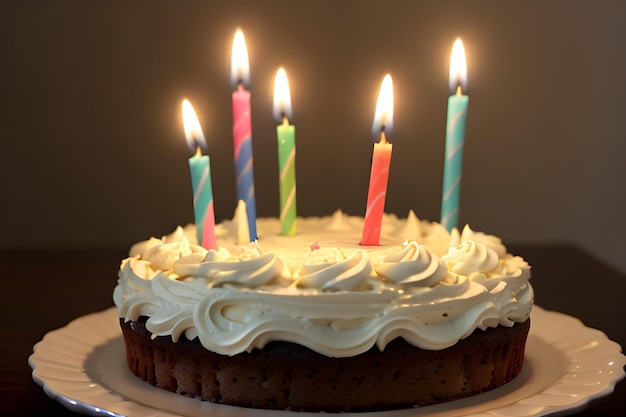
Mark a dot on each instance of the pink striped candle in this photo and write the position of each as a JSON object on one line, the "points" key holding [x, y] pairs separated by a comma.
{"points": [[381, 161], [242, 130]]}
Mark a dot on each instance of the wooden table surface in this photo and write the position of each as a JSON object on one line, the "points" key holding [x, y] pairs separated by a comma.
{"points": [[44, 289]]}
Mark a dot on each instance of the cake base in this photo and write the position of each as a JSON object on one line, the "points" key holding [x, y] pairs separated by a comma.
{"points": [[288, 376]]}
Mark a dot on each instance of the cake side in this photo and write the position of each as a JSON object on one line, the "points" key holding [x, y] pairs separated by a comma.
{"points": [[288, 376]]}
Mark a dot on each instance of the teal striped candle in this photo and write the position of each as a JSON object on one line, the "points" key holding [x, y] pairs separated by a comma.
{"points": [[455, 139], [200, 170]]}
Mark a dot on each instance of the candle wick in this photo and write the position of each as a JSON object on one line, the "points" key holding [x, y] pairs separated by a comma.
{"points": [[284, 117], [459, 92], [383, 137], [198, 152]]}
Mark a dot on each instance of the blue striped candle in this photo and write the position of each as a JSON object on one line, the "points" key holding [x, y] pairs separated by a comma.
{"points": [[455, 139]]}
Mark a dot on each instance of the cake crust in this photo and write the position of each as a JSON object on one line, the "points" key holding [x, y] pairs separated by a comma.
{"points": [[289, 376]]}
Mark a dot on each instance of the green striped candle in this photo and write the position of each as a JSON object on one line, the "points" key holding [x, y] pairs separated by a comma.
{"points": [[286, 135], [455, 139]]}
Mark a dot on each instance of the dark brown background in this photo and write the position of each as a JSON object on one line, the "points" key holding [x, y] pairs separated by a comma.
{"points": [[92, 142]]}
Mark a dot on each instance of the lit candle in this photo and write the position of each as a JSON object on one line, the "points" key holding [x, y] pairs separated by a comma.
{"points": [[455, 137], [286, 135], [200, 168], [242, 130], [381, 159]]}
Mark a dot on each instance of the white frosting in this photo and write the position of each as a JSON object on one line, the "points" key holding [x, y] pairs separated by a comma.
{"points": [[321, 289]]}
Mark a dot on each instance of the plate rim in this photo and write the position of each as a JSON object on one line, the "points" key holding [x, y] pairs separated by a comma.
{"points": [[575, 357]]}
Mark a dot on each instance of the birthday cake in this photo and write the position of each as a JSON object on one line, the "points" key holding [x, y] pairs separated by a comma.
{"points": [[317, 322]]}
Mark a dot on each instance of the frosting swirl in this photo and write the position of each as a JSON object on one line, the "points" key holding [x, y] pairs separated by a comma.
{"points": [[335, 269], [470, 257], [413, 264]]}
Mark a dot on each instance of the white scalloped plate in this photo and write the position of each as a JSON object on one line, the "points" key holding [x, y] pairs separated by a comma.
{"points": [[83, 366]]}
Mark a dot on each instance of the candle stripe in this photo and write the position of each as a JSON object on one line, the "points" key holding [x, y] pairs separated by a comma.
{"points": [[452, 127], [375, 206], [456, 149], [241, 131], [380, 197], [446, 219], [245, 169], [447, 195], [198, 193], [288, 204], [288, 163]]}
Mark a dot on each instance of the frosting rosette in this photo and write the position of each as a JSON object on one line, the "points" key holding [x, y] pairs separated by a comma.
{"points": [[413, 264], [470, 257], [335, 269]]}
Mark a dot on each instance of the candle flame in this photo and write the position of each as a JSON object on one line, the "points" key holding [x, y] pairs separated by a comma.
{"points": [[383, 118], [193, 131], [240, 67], [458, 66], [282, 96]]}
